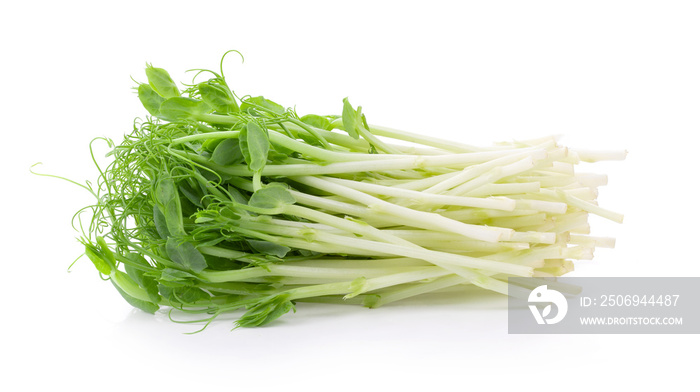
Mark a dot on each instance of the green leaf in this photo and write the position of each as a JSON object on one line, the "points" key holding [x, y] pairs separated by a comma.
{"points": [[227, 153], [236, 195], [269, 248], [279, 153], [350, 119], [218, 96], [161, 82], [183, 108], [132, 293], [185, 295], [371, 300], [131, 268], [222, 264], [357, 286], [185, 254], [317, 121], [168, 201], [310, 139], [267, 310], [210, 144], [98, 260], [159, 222], [276, 156], [191, 294], [263, 261], [150, 99], [172, 277], [192, 194], [230, 212], [106, 253], [257, 106], [255, 145], [146, 306], [147, 282], [271, 196], [364, 121]]}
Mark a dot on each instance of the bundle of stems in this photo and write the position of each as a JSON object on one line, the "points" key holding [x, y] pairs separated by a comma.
{"points": [[217, 203]]}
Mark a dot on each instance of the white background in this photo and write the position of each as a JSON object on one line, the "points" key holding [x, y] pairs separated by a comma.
{"points": [[604, 74]]}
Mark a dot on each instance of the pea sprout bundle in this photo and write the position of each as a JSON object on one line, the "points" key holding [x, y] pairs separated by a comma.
{"points": [[220, 203]]}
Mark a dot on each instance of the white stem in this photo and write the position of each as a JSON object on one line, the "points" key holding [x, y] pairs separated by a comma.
{"points": [[596, 156], [421, 219], [431, 199]]}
